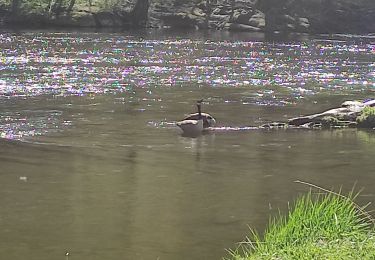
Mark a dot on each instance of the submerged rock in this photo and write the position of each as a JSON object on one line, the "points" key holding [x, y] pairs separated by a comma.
{"points": [[274, 125]]}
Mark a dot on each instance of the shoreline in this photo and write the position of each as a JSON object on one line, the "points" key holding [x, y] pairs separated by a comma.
{"points": [[196, 33], [315, 17]]}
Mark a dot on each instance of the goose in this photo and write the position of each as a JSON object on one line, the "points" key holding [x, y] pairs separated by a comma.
{"points": [[208, 120], [194, 124]]}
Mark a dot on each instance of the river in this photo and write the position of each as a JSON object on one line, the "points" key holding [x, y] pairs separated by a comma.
{"points": [[93, 165]]}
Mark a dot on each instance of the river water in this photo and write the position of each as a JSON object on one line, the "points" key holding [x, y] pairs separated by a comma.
{"points": [[92, 163]]}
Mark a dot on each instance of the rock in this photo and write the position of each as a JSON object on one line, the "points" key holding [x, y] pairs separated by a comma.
{"points": [[350, 114], [221, 10], [198, 12], [202, 4], [258, 20], [288, 18], [245, 3], [219, 17], [274, 125], [242, 16], [303, 20], [241, 27], [181, 20], [302, 24], [289, 27]]}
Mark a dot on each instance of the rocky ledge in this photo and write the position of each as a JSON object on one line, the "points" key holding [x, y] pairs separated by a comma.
{"points": [[311, 16], [228, 15]]}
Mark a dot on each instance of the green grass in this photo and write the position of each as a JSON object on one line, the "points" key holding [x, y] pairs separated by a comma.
{"points": [[367, 118], [328, 226]]}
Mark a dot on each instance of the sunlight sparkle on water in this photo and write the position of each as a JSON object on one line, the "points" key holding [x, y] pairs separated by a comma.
{"points": [[61, 64], [27, 123]]}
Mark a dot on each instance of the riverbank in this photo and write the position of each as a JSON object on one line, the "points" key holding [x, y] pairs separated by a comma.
{"points": [[329, 226], [314, 16]]}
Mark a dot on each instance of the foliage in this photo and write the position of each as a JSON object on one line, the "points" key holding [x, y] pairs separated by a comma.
{"points": [[46, 6], [327, 226], [367, 118], [336, 122]]}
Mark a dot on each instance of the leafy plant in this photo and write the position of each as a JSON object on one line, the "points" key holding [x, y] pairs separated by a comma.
{"points": [[367, 118]]}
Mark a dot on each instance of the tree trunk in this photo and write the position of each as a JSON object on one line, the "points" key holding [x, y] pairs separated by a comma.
{"points": [[140, 13], [273, 9], [208, 13], [71, 5], [15, 6], [50, 7], [232, 6], [57, 8]]}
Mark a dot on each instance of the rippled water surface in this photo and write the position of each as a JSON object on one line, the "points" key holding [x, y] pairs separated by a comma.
{"points": [[92, 163]]}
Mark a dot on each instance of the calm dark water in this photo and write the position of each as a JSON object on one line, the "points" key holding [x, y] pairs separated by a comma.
{"points": [[92, 164]]}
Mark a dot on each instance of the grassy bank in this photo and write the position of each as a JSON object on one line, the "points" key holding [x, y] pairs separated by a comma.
{"points": [[328, 226]]}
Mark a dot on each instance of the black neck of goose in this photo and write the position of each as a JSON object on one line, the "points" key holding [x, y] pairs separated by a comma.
{"points": [[199, 111]]}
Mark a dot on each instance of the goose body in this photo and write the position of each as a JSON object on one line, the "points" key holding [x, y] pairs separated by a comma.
{"points": [[194, 124], [191, 127], [208, 120]]}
